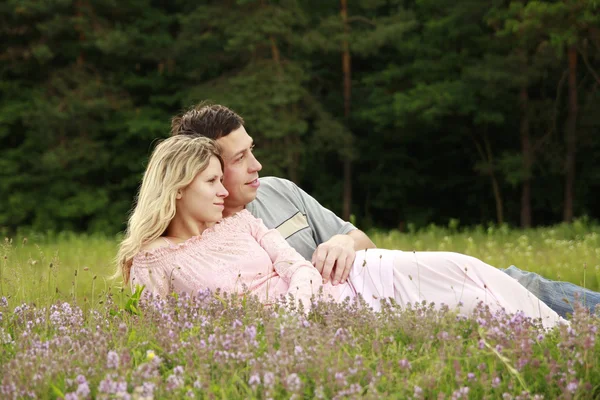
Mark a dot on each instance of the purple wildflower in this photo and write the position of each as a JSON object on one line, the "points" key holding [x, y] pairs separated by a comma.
{"points": [[461, 393], [418, 392], [254, 380], [106, 385], [340, 378], [404, 364], [112, 360], [83, 390], [174, 382], [269, 379], [294, 383], [178, 370], [250, 332], [5, 337], [340, 334], [572, 386]]}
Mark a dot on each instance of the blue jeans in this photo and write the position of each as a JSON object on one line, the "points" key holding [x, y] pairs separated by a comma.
{"points": [[559, 296]]}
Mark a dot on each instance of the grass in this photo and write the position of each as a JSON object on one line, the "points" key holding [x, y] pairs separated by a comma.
{"points": [[67, 331], [563, 252], [42, 268]]}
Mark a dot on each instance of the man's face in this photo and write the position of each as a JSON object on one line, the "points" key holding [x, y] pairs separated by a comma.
{"points": [[241, 170]]}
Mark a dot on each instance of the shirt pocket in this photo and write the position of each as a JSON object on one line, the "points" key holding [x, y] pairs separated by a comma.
{"points": [[292, 225]]}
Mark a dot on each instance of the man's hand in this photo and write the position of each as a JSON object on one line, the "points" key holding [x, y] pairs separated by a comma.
{"points": [[337, 252]]}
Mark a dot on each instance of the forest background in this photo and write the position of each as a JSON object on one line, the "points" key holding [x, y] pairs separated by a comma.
{"points": [[400, 113]]}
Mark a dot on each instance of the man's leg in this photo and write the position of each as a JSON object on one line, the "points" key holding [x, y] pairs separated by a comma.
{"points": [[559, 296]]}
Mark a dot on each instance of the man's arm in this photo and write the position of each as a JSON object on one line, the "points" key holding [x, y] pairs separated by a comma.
{"points": [[337, 240], [361, 240], [334, 258]]}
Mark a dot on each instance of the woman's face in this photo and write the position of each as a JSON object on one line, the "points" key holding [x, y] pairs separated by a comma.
{"points": [[203, 199]]}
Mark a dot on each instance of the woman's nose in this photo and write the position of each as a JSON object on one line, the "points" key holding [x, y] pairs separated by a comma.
{"points": [[223, 192]]}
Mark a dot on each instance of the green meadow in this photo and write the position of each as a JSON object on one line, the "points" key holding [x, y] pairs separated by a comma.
{"points": [[42, 268], [69, 331]]}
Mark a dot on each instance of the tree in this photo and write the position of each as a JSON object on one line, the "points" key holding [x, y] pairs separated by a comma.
{"points": [[255, 74], [353, 32], [451, 41], [568, 24], [518, 64], [68, 104]]}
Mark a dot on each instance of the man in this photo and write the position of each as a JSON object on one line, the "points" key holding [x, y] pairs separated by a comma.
{"points": [[314, 231]]}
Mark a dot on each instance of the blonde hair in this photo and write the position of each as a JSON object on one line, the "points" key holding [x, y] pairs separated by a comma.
{"points": [[173, 165]]}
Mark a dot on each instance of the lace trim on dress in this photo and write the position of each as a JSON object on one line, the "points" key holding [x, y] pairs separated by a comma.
{"points": [[231, 224]]}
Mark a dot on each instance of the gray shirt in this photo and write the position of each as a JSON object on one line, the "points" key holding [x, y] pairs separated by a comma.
{"points": [[300, 219]]}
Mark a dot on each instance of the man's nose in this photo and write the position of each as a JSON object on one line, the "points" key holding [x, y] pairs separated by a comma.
{"points": [[255, 166]]}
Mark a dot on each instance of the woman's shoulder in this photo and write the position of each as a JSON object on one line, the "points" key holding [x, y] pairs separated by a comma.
{"points": [[155, 244], [158, 250]]}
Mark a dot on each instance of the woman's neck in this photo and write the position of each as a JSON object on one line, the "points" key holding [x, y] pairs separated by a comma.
{"points": [[181, 229]]}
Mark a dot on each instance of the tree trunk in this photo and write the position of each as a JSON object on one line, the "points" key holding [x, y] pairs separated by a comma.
{"points": [[498, 198], [79, 5], [346, 69], [527, 152], [293, 144], [571, 138], [488, 158], [275, 53]]}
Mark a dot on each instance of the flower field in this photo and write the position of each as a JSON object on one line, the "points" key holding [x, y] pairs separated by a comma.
{"points": [[68, 331]]}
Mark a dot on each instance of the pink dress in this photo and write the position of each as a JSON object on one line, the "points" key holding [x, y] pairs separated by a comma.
{"points": [[241, 255]]}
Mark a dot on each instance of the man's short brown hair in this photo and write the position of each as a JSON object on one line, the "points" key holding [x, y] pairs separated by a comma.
{"points": [[211, 120]]}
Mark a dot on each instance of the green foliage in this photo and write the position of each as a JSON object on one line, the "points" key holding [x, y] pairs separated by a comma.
{"points": [[132, 305], [86, 87]]}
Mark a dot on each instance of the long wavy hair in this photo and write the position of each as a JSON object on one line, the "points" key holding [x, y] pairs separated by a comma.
{"points": [[173, 165]]}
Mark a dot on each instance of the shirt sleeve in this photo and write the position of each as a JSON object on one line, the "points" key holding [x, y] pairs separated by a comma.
{"points": [[323, 221], [302, 277]]}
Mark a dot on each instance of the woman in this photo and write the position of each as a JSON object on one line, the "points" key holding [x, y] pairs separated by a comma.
{"points": [[177, 240]]}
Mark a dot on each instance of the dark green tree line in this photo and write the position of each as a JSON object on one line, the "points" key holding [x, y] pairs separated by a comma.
{"points": [[394, 111]]}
